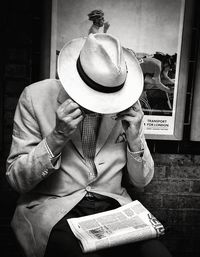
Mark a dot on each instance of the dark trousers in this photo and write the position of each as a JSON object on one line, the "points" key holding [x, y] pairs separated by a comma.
{"points": [[63, 243]]}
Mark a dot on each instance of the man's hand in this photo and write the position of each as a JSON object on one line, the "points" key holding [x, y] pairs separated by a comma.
{"points": [[131, 120], [68, 116]]}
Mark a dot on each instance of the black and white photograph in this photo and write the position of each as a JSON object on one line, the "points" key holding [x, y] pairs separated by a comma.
{"points": [[99, 128]]}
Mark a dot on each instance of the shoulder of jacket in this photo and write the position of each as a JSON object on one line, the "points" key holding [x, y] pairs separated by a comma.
{"points": [[41, 92], [44, 85]]}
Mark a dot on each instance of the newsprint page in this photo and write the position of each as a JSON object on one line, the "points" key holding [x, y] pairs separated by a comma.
{"points": [[129, 223]]}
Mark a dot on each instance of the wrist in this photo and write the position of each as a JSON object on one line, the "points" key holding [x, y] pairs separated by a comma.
{"points": [[136, 145], [59, 135], [56, 141], [137, 150], [52, 157]]}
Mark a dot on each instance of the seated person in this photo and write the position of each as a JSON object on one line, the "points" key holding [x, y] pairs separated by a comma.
{"points": [[68, 152]]}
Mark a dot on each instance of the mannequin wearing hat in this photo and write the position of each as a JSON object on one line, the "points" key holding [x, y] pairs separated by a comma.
{"points": [[72, 140]]}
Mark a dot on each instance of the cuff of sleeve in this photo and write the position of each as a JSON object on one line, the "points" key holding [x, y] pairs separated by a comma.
{"points": [[51, 155], [46, 158], [137, 155]]}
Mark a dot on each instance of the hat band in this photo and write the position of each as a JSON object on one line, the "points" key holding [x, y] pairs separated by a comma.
{"points": [[94, 85]]}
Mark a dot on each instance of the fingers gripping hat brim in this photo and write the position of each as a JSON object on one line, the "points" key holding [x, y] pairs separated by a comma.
{"points": [[89, 98]]}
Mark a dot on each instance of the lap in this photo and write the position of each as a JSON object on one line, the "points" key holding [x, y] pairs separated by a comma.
{"points": [[62, 241]]}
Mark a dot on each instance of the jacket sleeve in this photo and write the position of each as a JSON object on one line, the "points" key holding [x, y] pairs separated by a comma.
{"points": [[140, 170], [28, 162]]}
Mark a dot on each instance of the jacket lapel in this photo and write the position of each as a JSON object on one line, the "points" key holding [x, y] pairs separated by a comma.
{"points": [[76, 140], [105, 129]]}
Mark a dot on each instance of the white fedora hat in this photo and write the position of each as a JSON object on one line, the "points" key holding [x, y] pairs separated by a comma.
{"points": [[99, 74]]}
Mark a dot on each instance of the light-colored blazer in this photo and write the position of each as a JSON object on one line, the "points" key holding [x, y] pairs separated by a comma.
{"points": [[48, 192]]}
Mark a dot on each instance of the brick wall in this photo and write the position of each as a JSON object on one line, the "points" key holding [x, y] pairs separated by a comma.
{"points": [[173, 195]]}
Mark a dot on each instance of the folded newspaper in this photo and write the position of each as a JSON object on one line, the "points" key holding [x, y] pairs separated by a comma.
{"points": [[129, 223]]}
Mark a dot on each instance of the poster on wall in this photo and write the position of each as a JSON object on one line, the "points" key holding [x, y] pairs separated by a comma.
{"points": [[156, 31]]}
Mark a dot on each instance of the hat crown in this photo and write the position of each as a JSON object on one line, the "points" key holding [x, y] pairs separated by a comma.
{"points": [[102, 60], [93, 72]]}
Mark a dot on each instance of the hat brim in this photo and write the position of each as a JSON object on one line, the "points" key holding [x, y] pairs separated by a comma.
{"points": [[105, 103]]}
